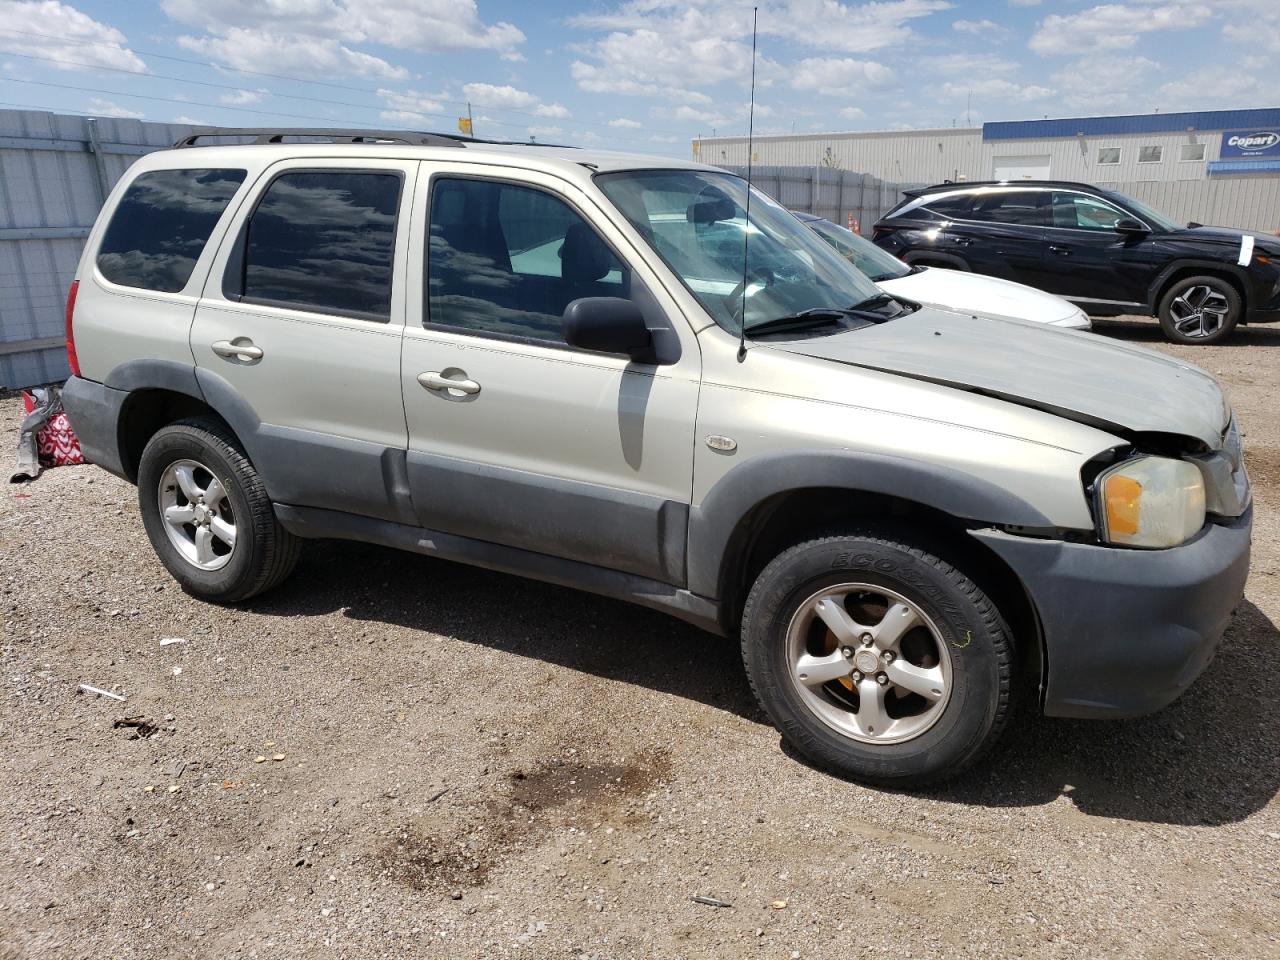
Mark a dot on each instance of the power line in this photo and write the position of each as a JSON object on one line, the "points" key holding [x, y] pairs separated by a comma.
{"points": [[278, 76]]}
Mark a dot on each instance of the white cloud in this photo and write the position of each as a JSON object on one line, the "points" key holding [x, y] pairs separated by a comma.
{"points": [[1257, 24], [852, 113], [427, 26], [1241, 83], [624, 124], [1104, 83], [1113, 26], [978, 27], [498, 97], [411, 106], [105, 108], [537, 131], [995, 88], [248, 49], [552, 111], [60, 25], [191, 121], [242, 97], [839, 77], [1024, 3]]}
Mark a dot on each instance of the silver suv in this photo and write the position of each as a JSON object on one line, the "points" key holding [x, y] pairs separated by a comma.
{"points": [[533, 359]]}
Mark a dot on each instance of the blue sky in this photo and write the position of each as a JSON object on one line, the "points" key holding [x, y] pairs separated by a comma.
{"points": [[645, 75]]}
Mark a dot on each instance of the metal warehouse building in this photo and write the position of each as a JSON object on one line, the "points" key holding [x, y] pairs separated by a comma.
{"points": [[1218, 166]]}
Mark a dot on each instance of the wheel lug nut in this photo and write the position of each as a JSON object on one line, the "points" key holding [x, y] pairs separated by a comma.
{"points": [[867, 639], [848, 652], [887, 656], [857, 676], [881, 679]]}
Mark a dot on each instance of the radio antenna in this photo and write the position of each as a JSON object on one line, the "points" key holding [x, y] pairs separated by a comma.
{"points": [[746, 232]]}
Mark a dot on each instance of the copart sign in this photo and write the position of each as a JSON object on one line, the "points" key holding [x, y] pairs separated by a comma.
{"points": [[1250, 144]]}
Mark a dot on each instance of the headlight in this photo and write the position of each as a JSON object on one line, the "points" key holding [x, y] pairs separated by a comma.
{"points": [[1150, 502]]}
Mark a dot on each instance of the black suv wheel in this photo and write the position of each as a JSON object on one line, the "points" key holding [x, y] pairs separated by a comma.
{"points": [[1199, 310]]}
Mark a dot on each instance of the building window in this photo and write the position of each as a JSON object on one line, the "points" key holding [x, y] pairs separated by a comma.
{"points": [[1150, 154], [1108, 156], [1191, 152]]}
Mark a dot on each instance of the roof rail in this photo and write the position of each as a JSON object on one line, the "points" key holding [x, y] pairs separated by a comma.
{"points": [[278, 135]]}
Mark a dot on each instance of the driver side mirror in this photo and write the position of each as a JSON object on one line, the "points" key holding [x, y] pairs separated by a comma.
{"points": [[608, 325], [1129, 225]]}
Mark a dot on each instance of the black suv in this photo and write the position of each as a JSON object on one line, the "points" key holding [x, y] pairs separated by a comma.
{"points": [[1105, 251]]}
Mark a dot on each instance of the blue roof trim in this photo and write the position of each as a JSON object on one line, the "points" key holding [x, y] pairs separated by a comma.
{"points": [[1140, 123], [1243, 166]]}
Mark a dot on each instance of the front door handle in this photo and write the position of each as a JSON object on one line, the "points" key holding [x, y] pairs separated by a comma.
{"points": [[964, 241], [434, 380], [241, 348], [1060, 251]]}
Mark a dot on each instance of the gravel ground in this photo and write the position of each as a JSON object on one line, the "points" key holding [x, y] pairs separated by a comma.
{"points": [[397, 757]]}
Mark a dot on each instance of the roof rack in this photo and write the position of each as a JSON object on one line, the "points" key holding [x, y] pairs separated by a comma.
{"points": [[274, 135]]}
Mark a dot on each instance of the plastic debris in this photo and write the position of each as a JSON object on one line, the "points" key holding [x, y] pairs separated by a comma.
{"points": [[100, 692], [165, 641]]}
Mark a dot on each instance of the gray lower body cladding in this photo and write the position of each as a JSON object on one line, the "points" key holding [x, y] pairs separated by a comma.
{"points": [[1127, 631], [94, 411]]}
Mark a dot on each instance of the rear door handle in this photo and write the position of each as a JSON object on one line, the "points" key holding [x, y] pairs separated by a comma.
{"points": [[964, 241], [434, 380], [1060, 251], [241, 348]]}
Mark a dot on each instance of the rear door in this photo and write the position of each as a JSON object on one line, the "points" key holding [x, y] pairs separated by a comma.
{"points": [[541, 446], [1086, 259], [299, 329], [1002, 234]]}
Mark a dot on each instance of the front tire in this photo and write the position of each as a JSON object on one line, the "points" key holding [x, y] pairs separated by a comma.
{"points": [[1200, 310], [208, 515], [876, 659]]}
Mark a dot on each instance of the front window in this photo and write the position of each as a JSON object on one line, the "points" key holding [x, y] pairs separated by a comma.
{"points": [[695, 220], [862, 253], [1152, 216], [1076, 211]]}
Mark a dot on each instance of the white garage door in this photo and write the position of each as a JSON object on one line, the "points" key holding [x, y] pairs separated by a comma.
{"points": [[1021, 168]]}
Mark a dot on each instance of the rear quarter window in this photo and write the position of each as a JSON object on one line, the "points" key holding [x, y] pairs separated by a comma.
{"points": [[161, 225]]}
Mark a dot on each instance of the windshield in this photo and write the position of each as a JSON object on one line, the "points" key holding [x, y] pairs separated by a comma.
{"points": [[862, 253], [1153, 217], [695, 221]]}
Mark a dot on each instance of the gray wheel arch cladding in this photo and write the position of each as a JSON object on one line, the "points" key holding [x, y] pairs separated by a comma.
{"points": [[713, 522]]}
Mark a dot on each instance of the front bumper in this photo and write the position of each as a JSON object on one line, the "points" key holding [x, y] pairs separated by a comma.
{"points": [[1127, 631]]}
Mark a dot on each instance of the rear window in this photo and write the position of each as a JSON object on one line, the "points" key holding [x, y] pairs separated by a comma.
{"points": [[161, 226], [324, 241]]}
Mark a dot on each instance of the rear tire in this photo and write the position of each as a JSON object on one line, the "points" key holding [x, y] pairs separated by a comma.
{"points": [[1200, 310], [901, 712], [208, 515]]}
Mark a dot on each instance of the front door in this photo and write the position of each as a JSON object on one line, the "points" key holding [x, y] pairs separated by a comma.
{"points": [[1088, 260], [515, 438], [299, 330]]}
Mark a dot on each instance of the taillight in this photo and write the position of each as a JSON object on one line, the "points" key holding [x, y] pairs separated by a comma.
{"points": [[72, 360]]}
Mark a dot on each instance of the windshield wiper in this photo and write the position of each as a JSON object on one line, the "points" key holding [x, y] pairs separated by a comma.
{"points": [[813, 317], [873, 302]]}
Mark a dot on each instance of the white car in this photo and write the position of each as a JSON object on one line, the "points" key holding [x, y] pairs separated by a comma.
{"points": [[949, 289]]}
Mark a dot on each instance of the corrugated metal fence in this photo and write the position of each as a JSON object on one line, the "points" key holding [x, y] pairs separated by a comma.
{"points": [[1249, 203], [825, 192], [55, 172]]}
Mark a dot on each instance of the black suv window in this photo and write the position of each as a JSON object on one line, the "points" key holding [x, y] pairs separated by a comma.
{"points": [[506, 260], [161, 226], [324, 241], [955, 205], [1023, 207], [1078, 211]]}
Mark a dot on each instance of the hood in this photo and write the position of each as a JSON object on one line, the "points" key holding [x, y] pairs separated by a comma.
{"points": [[989, 296], [1116, 387], [1225, 235]]}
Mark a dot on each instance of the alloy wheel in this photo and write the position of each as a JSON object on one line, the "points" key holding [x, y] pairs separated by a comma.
{"points": [[197, 514], [869, 663], [1199, 311]]}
